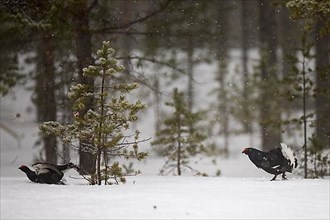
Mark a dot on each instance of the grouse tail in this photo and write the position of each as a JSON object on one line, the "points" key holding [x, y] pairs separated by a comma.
{"points": [[288, 154]]}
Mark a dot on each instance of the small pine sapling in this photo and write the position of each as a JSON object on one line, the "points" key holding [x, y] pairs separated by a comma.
{"points": [[179, 137], [105, 125], [299, 88]]}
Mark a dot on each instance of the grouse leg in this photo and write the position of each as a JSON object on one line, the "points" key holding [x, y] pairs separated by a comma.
{"points": [[274, 178], [62, 182], [284, 176]]}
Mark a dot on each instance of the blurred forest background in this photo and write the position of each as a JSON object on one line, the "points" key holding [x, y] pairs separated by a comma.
{"points": [[278, 87]]}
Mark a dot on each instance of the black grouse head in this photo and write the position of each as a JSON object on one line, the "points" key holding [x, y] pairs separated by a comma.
{"points": [[246, 151], [29, 173], [24, 168]]}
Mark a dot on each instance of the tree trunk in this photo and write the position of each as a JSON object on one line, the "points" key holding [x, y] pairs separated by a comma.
{"points": [[45, 87], [322, 87], [223, 102], [83, 41], [157, 104], [126, 41], [222, 53], [288, 41], [247, 123], [190, 72], [179, 146], [66, 116], [270, 115]]}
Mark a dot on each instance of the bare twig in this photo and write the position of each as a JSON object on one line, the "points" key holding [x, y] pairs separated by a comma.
{"points": [[152, 60], [134, 142], [92, 5], [138, 20]]}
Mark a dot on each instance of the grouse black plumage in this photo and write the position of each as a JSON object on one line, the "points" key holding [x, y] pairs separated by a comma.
{"points": [[275, 161], [46, 172]]}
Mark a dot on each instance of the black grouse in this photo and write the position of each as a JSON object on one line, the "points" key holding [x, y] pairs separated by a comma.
{"points": [[275, 161], [46, 172]]}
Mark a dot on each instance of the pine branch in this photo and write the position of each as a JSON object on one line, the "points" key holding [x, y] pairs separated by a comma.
{"points": [[178, 34], [141, 79], [92, 5], [83, 176], [138, 20], [168, 161], [190, 168], [152, 60], [135, 142], [172, 166], [132, 33]]}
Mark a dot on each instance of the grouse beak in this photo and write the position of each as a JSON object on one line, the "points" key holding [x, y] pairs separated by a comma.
{"points": [[245, 151]]}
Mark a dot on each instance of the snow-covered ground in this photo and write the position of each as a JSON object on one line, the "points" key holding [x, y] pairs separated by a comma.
{"points": [[167, 197]]}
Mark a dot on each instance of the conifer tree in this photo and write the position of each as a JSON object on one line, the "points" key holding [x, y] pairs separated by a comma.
{"points": [[10, 45], [106, 126], [180, 136], [300, 89], [299, 86]]}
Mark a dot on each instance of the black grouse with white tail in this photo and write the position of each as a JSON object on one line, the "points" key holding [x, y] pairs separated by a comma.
{"points": [[46, 172], [275, 161]]}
